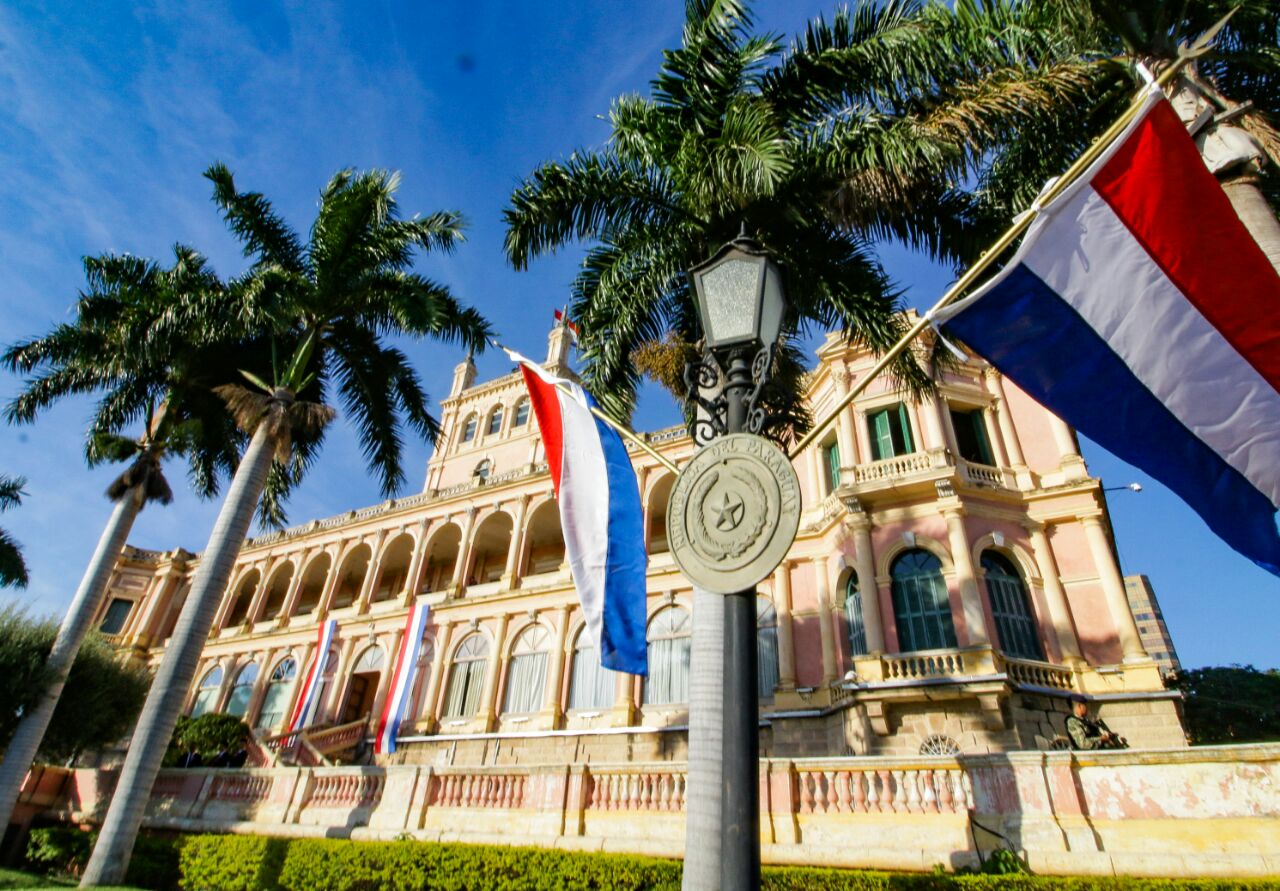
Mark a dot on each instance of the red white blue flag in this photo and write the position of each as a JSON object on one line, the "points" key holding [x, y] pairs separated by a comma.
{"points": [[402, 677], [304, 711], [1140, 310], [600, 516]]}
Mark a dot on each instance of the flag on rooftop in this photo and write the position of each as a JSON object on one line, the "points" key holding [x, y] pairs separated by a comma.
{"points": [[403, 674], [304, 711], [1141, 311], [563, 319], [600, 515]]}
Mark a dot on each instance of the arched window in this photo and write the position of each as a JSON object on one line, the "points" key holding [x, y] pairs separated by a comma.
{"points": [[242, 690], [1015, 625], [766, 647], [466, 679], [207, 692], [482, 470], [592, 686], [668, 679], [469, 429], [276, 699], [527, 676], [853, 611], [522, 413], [495, 422], [921, 608]]}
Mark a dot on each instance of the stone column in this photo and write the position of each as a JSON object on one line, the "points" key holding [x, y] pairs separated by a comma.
{"points": [[148, 626], [295, 586], [330, 584], [413, 578], [935, 430], [975, 619], [260, 687], [384, 681], [457, 583], [512, 568], [845, 437], [372, 572], [436, 681], [786, 642], [865, 562], [825, 632], [1113, 588], [493, 672], [555, 670], [991, 417], [995, 386], [1064, 439], [814, 495], [861, 436], [1054, 594]]}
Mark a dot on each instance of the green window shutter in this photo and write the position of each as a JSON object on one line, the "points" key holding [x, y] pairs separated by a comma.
{"points": [[881, 435], [905, 430], [832, 453]]}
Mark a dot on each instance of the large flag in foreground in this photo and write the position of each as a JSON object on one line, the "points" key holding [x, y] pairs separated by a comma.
{"points": [[600, 516], [402, 676], [309, 698], [1140, 310]]}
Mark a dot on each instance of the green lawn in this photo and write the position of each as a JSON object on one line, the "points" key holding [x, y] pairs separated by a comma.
{"points": [[11, 878]]}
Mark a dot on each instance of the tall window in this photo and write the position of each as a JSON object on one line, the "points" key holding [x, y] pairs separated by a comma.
{"points": [[1015, 625], [467, 678], [482, 470], [831, 463], [207, 692], [495, 422], [921, 608], [890, 431], [853, 612], [668, 679], [276, 699], [522, 413], [766, 647], [527, 676], [117, 614], [469, 429], [971, 435], [242, 690], [592, 685]]}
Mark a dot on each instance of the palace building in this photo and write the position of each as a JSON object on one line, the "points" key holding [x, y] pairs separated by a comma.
{"points": [[954, 580]]}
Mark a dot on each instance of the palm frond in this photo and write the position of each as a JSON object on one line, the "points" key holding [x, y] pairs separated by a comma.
{"points": [[266, 236]]}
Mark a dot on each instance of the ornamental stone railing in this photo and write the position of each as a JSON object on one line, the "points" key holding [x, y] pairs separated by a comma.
{"points": [[1195, 811]]}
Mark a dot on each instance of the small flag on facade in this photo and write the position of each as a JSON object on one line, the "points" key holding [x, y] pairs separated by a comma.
{"points": [[1140, 310], [600, 516], [304, 711], [402, 677], [562, 318]]}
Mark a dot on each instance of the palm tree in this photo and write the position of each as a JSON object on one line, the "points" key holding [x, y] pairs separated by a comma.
{"points": [[1229, 97], [330, 301], [127, 341], [13, 569]]}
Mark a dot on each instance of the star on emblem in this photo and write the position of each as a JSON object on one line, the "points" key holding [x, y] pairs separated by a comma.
{"points": [[729, 512]]}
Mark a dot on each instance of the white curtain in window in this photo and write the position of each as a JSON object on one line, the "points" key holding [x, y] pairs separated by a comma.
{"points": [[593, 685], [526, 680], [767, 660], [242, 691], [207, 696], [276, 699], [467, 678], [668, 680]]}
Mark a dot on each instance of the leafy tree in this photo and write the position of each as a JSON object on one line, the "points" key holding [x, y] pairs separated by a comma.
{"points": [[330, 301], [13, 569], [1230, 704], [211, 733], [102, 696], [140, 339]]}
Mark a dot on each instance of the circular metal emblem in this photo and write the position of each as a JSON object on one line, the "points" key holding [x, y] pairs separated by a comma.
{"points": [[733, 513]]}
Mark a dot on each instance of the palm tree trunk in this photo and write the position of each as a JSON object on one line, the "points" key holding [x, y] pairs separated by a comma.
{"points": [[1256, 214], [704, 787], [22, 749], [151, 737]]}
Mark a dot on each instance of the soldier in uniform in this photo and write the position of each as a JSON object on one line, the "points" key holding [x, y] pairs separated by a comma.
{"points": [[1090, 733]]}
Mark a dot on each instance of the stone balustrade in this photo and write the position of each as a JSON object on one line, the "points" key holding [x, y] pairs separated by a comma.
{"points": [[1199, 811]]}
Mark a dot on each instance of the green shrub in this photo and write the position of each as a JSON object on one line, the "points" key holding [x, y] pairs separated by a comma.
{"points": [[231, 863], [64, 850]]}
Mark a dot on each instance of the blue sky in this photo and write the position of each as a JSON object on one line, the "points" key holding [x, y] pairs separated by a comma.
{"points": [[110, 111]]}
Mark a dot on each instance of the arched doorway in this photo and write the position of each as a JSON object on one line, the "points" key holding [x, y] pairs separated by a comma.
{"points": [[489, 552], [351, 576], [313, 585], [441, 559], [363, 686], [277, 588], [546, 542], [394, 573]]}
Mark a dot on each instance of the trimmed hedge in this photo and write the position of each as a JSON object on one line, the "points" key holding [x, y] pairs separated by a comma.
{"points": [[215, 863]]}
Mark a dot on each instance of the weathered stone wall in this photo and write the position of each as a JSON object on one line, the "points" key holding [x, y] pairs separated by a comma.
{"points": [[1184, 812]]}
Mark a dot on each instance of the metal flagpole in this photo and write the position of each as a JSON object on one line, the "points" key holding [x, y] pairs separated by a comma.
{"points": [[1020, 225]]}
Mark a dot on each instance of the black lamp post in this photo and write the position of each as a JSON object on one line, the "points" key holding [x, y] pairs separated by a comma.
{"points": [[742, 306]]}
